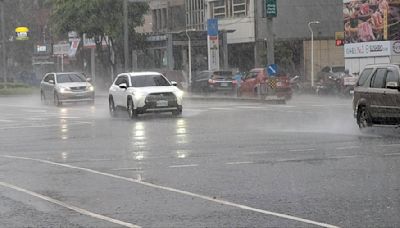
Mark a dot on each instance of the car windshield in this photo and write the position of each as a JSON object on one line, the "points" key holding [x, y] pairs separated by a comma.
{"points": [[149, 80], [66, 78], [338, 69], [222, 75]]}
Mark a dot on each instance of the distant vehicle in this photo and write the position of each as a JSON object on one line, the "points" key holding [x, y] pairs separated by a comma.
{"points": [[143, 92], [331, 71], [214, 81], [65, 87], [377, 96], [257, 80]]}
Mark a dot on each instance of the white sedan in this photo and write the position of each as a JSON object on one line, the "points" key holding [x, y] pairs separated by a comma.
{"points": [[143, 92]]}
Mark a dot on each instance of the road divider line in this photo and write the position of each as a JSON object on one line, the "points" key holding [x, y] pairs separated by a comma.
{"points": [[239, 163], [43, 126], [182, 192], [348, 147], [390, 145], [70, 207], [302, 150], [183, 166], [393, 154]]}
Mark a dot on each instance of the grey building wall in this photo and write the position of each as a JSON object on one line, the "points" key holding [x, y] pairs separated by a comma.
{"points": [[294, 15]]}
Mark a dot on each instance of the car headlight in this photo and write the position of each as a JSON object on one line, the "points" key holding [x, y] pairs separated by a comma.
{"points": [[179, 93], [90, 88], [64, 89], [138, 95]]}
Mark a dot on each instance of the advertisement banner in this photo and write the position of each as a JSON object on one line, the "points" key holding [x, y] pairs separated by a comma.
{"points": [[368, 49], [371, 20]]}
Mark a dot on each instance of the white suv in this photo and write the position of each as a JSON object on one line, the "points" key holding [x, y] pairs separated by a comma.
{"points": [[143, 92]]}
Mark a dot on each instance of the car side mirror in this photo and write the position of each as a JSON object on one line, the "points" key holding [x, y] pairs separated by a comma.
{"points": [[89, 79], [174, 83], [123, 86], [51, 82], [392, 85]]}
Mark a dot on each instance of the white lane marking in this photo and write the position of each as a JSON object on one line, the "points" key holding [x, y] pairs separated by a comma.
{"points": [[183, 166], [302, 150], [239, 163], [7, 121], [389, 145], [344, 156], [43, 126], [207, 198], [223, 109], [347, 147], [62, 204], [393, 154], [127, 169]]}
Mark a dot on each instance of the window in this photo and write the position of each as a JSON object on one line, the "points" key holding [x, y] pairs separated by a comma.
{"points": [[378, 80], [230, 8], [48, 78], [392, 76], [364, 76], [239, 8], [120, 80], [65, 78], [149, 80]]}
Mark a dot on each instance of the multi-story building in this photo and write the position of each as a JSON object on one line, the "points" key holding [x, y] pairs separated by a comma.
{"points": [[245, 21], [247, 44]]}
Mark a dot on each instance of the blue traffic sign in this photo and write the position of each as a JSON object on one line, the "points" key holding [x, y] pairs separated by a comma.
{"points": [[212, 27], [272, 69]]}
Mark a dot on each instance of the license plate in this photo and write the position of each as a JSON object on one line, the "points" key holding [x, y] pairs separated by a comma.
{"points": [[224, 84], [162, 103]]}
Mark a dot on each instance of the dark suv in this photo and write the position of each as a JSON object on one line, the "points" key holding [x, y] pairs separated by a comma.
{"points": [[377, 96], [214, 81]]}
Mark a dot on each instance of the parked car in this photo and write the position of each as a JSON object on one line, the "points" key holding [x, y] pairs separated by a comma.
{"points": [[144, 92], [214, 81], [65, 87], [256, 82], [377, 96]]}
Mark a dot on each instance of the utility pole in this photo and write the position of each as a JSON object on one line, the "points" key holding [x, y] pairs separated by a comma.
{"points": [[270, 42], [3, 44], [271, 12], [126, 36]]}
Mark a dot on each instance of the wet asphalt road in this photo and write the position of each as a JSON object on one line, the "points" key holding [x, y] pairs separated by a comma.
{"points": [[222, 164]]}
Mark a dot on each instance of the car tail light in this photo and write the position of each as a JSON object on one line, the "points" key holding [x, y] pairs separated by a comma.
{"points": [[234, 83]]}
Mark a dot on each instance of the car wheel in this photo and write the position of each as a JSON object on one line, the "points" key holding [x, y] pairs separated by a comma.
{"points": [[131, 111], [363, 118], [57, 101], [111, 107], [177, 112]]}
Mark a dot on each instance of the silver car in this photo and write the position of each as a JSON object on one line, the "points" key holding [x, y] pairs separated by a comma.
{"points": [[66, 87]]}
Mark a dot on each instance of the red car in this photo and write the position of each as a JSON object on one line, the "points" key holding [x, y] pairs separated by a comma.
{"points": [[258, 82]]}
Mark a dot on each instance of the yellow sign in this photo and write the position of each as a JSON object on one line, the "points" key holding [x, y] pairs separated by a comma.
{"points": [[339, 35], [22, 33]]}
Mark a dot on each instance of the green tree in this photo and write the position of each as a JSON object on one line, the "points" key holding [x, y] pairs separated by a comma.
{"points": [[98, 19]]}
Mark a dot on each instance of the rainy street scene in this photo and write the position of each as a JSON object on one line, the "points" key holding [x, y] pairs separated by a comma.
{"points": [[200, 113]]}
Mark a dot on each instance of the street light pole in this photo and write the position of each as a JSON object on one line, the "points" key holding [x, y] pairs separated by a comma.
{"points": [[126, 36], [312, 51], [190, 56], [3, 44]]}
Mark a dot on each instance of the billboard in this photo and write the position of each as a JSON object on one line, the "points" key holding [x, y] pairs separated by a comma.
{"points": [[371, 20]]}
